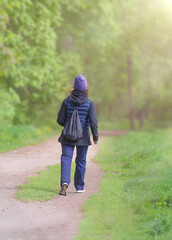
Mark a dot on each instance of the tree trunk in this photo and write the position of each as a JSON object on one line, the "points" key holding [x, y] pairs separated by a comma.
{"points": [[141, 117], [130, 99], [110, 111]]}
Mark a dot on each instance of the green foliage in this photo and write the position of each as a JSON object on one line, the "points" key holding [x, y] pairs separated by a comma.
{"points": [[45, 44], [12, 137], [122, 29], [43, 187], [32, 66], [136, 203], [7, 107]]}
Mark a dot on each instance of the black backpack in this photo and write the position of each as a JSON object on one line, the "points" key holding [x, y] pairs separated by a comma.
{"points": [[73, 130]]}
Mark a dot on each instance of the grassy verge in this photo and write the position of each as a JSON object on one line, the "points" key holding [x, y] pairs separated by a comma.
{"points": [[12, 137], [137, 204], [43, 187]]}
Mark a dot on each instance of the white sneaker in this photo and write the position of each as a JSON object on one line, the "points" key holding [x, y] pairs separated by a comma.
{"points": [[80, 191]]}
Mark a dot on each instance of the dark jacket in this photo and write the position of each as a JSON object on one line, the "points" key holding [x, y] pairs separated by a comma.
{"points": [[87, 113]]}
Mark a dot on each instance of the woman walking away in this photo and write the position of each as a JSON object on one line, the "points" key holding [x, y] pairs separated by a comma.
{"points": [[76, 103]]}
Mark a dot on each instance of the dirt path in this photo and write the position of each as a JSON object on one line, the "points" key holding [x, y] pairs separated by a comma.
{"points": [[52, 220]]}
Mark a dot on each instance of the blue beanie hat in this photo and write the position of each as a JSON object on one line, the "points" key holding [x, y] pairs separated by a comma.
{"points": [[80, 83]]}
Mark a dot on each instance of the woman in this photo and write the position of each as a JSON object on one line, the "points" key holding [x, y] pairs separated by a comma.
{"points": [[79, 100]]}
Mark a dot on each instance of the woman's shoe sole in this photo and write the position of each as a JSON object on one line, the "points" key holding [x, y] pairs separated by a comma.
{"points": [[80, 191], [63, 189]]}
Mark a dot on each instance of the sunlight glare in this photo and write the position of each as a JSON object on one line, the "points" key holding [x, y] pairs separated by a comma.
{"points": [[168, 2]]}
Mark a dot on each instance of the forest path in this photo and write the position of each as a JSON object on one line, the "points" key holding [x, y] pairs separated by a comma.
{"points": [[55, 219]]}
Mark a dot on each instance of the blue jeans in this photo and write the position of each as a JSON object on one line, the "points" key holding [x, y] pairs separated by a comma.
{"points": [[66, 160]]}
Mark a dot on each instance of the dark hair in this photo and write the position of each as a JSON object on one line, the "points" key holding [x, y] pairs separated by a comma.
{"points": [[85, 91]]}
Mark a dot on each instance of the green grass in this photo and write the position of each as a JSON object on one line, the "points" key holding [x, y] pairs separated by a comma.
{"points": [[13, 137], [137, 204], [43, 187]]}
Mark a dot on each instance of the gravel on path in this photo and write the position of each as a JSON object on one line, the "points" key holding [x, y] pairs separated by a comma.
{"points": [[55, 219]]}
